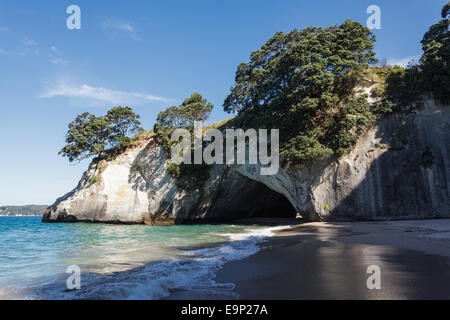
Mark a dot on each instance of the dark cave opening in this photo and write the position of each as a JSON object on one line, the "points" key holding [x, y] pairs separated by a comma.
{"points": [[268, 203], [245, 198], [240, 197]]}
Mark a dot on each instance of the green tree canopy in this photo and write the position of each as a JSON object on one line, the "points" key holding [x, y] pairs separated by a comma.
{"points": [[89, 135], [445, 10], [404, 86], [194, 108], [435, 61], [124, 122], [300, 82]]}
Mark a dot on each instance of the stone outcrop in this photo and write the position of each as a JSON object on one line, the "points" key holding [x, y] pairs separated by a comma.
{"points": [[134, 187], [385, 176], [398, 169]]}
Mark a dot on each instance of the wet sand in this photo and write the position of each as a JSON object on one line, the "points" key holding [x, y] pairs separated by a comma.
{"points": [[330, 261]]}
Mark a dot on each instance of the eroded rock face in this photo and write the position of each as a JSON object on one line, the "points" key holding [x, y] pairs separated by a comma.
{"points": [[398, 169], [388, 174], [135, 187], [114, 190]]}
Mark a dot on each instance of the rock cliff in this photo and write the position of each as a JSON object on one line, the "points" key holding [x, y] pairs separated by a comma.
{"points": [[399, 169]]}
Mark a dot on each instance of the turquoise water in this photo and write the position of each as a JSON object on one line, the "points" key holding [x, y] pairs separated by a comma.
{"points": [[118, 261]]}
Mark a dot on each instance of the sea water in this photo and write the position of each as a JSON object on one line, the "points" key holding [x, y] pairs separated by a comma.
{"points": [[119, 261]]}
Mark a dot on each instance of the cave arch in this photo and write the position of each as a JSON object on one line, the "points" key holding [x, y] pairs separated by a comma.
{"points": [[241, 197], [269, 203]]}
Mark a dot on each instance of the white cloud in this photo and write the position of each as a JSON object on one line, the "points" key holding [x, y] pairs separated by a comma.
{"points": [[4, 52], [29, 52], [403, 62], [56, 57], [135, 37], [55, 50], [116, 26], [29, 48], [58, 61], [100, 94], [29, 42]]}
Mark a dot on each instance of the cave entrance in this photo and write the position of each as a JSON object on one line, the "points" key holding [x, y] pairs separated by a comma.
{"points": [[258, 200]]}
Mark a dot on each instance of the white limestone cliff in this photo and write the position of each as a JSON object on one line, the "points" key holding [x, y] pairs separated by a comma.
{"points": [[383, 177]]}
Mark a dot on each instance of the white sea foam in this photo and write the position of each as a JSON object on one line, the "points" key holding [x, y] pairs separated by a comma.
{"points": [[193, 271]]}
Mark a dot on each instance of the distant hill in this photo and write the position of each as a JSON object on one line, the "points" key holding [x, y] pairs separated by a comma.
{"points": [[31, 210]]}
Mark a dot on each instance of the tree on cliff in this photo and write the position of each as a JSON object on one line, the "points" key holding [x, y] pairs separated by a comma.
{"points": [[435, 61], [404, 86], [445, 10], [303, 83], [194, 108], [124, 122], [89, 135]]}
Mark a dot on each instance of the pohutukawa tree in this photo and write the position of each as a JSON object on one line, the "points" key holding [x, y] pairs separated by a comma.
{"points": [[303, 83], [445, 10], [123, 123], [405, 86], [435, 61], [89, 135], [194, 108]]}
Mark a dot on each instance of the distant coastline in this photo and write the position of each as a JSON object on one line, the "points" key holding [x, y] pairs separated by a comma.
{"points": [[19, 215], [22, 211]]}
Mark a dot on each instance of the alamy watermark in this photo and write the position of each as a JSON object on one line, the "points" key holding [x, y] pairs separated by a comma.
{"points": [[374, 20], [74, 20], [374, 280], [253, 143], [74, 280]]}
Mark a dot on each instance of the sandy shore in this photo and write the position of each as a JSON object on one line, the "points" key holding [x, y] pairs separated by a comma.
{"points": [[330, 261]]}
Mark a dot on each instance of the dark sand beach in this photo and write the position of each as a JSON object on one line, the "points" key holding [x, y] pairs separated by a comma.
{"points": [[330, 261]]}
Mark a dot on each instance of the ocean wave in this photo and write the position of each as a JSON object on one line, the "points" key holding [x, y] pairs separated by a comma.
{"points": [[193, 271]]}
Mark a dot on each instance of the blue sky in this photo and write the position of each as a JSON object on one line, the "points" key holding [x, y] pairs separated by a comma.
{"points": [[148, 55]]}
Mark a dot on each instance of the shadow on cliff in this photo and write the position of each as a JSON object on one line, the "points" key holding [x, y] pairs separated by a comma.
{"points": [[409, 172], [232, 196], [138, 171]]}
